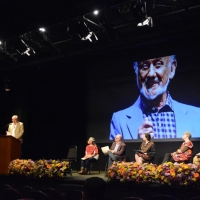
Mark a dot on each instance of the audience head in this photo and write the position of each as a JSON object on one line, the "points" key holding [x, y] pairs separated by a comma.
{"points": [[187, 135], [91, 140], [118, 138], [94, 188]]}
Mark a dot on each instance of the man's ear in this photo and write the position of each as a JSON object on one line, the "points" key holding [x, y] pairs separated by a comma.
{"points": [[173, 69]]}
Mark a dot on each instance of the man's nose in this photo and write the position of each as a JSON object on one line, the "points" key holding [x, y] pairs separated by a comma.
{"points": [[152, 71]]}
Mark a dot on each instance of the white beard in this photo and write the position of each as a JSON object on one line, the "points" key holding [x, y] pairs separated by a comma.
{"points": [[149, 95]]}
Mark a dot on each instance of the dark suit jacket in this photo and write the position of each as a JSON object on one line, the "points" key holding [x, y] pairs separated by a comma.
{"points": [[121, 149]]}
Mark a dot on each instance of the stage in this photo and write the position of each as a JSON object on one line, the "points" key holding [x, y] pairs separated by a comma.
{"points": [[115, 189]]}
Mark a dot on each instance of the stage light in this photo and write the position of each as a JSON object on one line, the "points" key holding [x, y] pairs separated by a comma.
{"points": [[146, 22], [23, 48], [96, 12], [84, 32], [140, 14], [42, 29], [7, 84], [0, 42], [90, 36]]}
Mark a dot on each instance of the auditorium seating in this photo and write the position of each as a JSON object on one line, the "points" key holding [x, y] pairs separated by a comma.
{"points": [[10, 194], [132, 198], [53, 193], [38, 195], [163, 197]]}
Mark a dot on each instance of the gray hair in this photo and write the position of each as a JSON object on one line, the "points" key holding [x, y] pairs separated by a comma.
{"points": [[15, 116], [188, 134], [135, 64]]}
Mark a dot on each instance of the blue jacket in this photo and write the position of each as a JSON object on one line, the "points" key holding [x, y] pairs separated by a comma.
{"points": [[127, 121]]}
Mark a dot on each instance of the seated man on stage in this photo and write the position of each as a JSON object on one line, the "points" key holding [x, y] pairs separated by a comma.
{"points": [[184, 153], [117, 150], [196, 159]]}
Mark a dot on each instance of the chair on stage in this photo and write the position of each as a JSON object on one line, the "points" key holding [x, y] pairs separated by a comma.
{"points": [[92, 164], [95, 163], [71, 158]]}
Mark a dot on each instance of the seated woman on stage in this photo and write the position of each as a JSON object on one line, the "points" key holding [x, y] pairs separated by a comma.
{"points": [[147, 150], [91, 152], [184, 153]]}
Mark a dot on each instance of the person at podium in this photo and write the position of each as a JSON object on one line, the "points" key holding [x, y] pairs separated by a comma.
{"points": [[16, 128]]}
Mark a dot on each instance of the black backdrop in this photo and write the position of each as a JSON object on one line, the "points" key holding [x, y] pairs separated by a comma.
{"points": [[62, 103]]}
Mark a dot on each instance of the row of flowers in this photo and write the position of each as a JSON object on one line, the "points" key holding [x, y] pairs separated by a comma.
{"points": [[39, 169], [165, 174]]}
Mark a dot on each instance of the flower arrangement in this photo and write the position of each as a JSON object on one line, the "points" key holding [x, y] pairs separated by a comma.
{"points": [[178, 174], [164, 174], [125, 171], [38, 169]]}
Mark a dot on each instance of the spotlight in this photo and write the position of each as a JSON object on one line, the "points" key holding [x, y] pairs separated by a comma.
{"points": [[42, 29], [96, 12], [90, 36], [28, 51], [7, 85], [141, 15], [148, 22], [24, 49], [84, 32]]}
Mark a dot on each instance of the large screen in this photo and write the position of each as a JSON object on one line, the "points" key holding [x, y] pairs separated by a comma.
{"points": [[146, 96]]}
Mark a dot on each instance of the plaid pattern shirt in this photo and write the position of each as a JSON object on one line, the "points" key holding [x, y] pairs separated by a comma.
{"points": [[163, 120]]}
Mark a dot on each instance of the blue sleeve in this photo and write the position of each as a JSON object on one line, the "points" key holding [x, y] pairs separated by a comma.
{"points": [[114, 127]]}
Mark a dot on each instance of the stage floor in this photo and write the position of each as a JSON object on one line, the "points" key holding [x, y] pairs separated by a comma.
{"points": [[78, 177]]}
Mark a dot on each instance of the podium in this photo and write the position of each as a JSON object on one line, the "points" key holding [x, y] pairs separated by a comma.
{"points": [[9, 150]]}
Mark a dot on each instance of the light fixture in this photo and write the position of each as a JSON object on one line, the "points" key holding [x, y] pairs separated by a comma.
{"points": [[42, 29], [140, 14], [90, 36], [96, 12], [7, 84], [29, 50], [23, 48], [146, 22], [84, 32]]}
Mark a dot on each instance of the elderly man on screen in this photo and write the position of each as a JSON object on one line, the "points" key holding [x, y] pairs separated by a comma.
{"points": [[16, 128], [117, 150], [155, 108]]}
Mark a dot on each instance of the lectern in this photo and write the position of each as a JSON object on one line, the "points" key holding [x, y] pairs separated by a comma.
{"points": [[9, 150]]}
